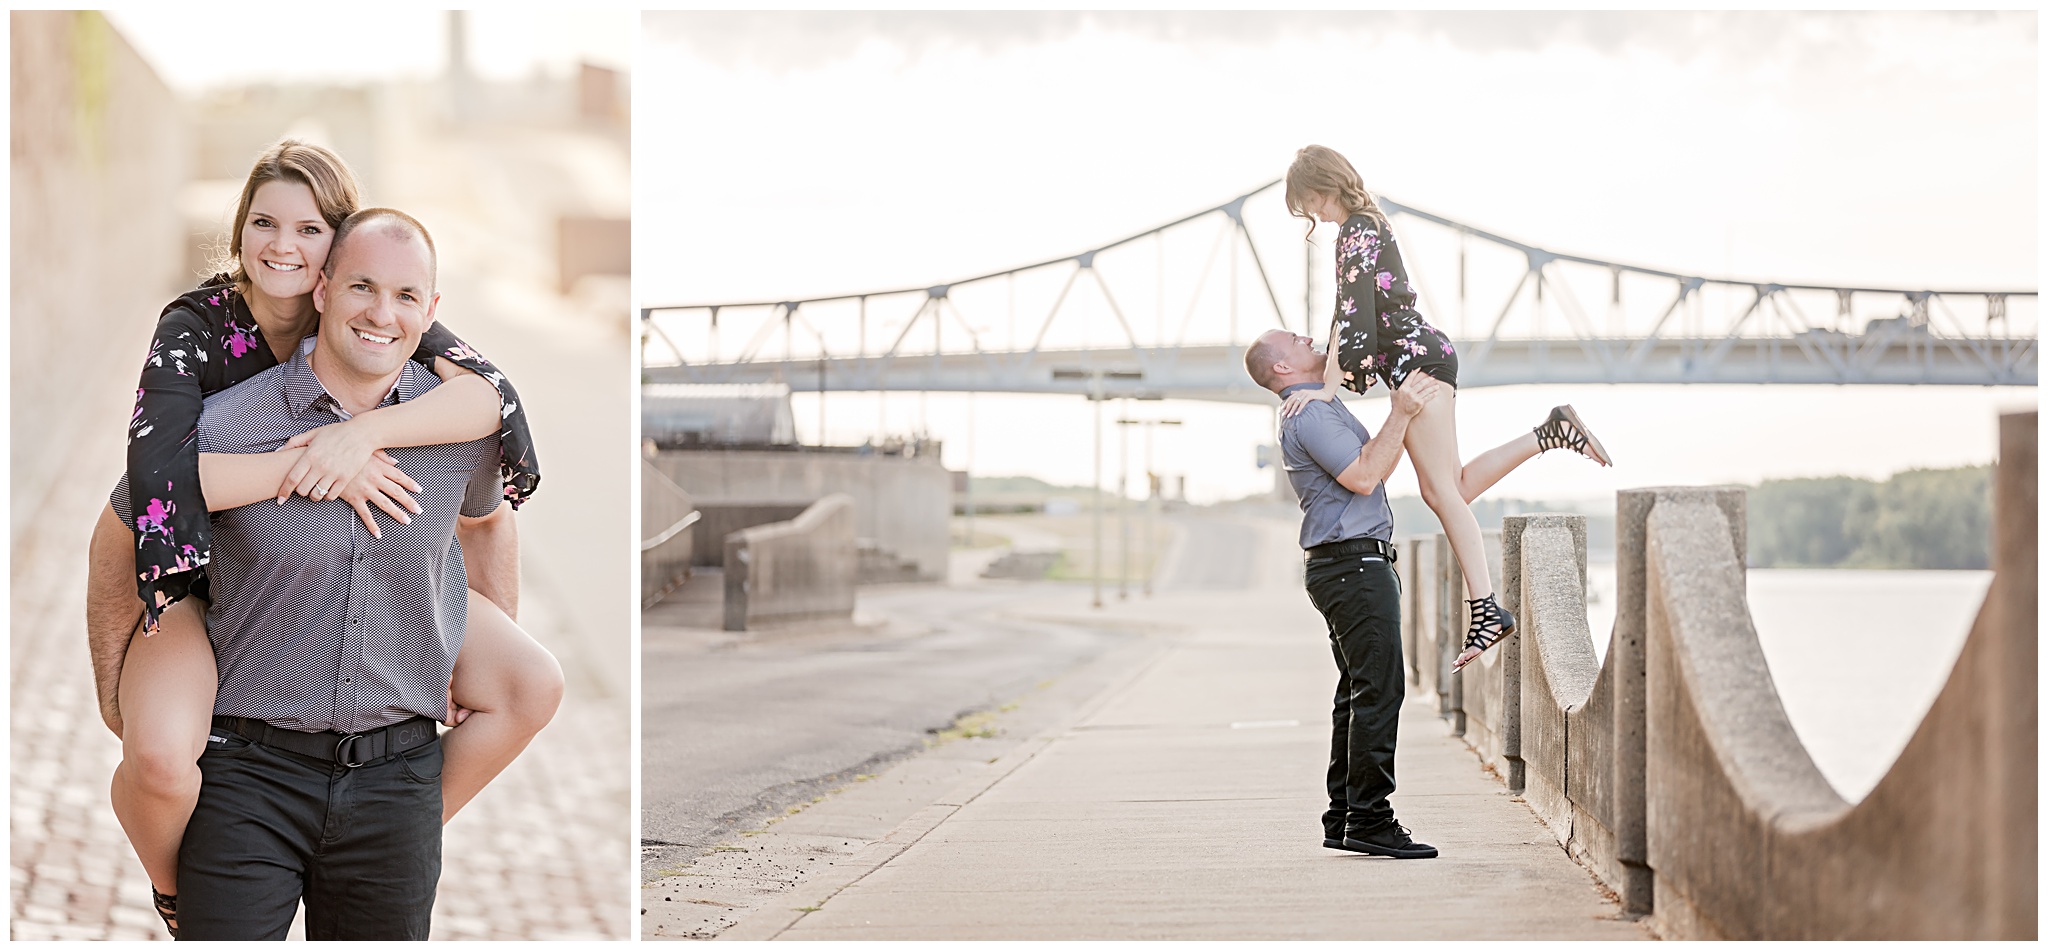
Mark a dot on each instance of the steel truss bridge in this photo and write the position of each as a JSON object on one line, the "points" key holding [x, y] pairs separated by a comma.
{"points": [[1518, 313]]}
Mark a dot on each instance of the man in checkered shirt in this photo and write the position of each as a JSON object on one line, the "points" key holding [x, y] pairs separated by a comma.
{"points": [[335, 649]]}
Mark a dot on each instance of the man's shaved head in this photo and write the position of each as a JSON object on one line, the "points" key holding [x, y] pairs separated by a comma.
{"points": [[1261, 355], [380, 217]]}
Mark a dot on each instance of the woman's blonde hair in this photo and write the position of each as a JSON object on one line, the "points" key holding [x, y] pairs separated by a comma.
{"points": [[1319, 169], [334, 187]]}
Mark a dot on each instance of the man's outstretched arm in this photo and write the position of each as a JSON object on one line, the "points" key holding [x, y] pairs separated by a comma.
{"points": [[490, 550]]}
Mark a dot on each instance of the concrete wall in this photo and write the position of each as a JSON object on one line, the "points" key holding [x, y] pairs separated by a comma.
{"points": [[720, 519], [803, 568], [1670, 770], [1748, 840], [663, 506], [1433, 624], [100, 149], [1479, 690], [1568, 743], [903, 505]]}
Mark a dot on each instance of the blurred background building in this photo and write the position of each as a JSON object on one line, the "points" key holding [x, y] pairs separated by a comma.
{"points": [[125, 170]]}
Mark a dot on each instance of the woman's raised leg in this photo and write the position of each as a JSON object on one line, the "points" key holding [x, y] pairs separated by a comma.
{"points": [[1562, 430], [511, 685], [166, 697], [1494, 464]]}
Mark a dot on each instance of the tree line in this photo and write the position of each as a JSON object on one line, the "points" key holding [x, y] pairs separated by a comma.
{"points": [[1919, 518]]}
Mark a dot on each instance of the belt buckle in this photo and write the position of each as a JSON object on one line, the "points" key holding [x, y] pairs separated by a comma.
{"points": [[342, 753]]}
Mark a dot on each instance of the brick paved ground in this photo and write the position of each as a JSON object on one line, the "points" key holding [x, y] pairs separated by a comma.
{"points": [[544, 853]]}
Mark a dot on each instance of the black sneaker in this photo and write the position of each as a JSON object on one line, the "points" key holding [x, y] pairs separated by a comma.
{"points": [[1333, 829], [1389, 840]]}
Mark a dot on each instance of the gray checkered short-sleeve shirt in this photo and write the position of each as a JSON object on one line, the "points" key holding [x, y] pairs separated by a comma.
{"points": [[316, 625]]}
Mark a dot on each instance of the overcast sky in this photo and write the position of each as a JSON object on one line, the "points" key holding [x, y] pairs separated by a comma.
{"points": [[294, 43], [783, 155]]}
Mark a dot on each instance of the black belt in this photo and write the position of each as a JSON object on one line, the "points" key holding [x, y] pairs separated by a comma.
{"points": [[346, 749], [1353, 546]]}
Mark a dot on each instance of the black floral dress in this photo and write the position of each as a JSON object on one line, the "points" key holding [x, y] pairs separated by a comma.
{"points": [[1379, 331], [207, 341]]}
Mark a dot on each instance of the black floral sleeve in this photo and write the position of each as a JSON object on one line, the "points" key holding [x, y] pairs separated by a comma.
{"points": [[1357, 318], [204, 342], [517, 463]]}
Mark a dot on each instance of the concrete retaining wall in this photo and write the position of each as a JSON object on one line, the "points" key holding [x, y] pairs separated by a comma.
{"points": [[786, 571], [719, 519], [101, 150], [1670, 770], [903, 505], [1479, 691], [1749, 841], [663, 506], [1567, 707]]}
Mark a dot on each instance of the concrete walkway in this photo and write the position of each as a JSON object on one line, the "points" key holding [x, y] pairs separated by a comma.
{"points": [[1183, 801]]}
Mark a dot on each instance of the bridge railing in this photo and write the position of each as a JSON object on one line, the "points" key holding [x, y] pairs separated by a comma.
{"points": [[1672, 772]]}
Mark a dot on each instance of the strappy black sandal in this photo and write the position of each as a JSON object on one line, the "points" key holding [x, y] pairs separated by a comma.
{"points": [[167, 909], [1564, 430], [1491, 624]]}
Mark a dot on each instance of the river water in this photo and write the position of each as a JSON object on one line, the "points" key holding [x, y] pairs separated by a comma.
{"points": [[1857, 656]]}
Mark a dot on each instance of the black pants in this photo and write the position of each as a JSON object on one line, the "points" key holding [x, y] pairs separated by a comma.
{"points": [[1360, 598], [362, 845]]}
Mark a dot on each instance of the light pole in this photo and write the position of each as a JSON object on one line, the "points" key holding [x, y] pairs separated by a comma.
{"points": [[1095, 570], [1123, 511], [1096, 394], [1152, 486]]}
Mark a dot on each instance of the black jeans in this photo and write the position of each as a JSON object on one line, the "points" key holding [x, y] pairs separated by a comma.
{"points": [[1360, 598], [362, 845]]}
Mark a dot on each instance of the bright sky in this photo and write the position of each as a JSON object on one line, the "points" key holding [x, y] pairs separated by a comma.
{"points": [[783, 155], [300, 44]]}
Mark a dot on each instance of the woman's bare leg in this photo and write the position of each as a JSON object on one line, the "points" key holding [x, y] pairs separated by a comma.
{"points": [[1432, 444], [112, 610], [511, 685], [167, 687], [1494, 464]]}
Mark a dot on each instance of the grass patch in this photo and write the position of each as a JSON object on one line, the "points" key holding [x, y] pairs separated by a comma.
{"points": [[980, 725]]}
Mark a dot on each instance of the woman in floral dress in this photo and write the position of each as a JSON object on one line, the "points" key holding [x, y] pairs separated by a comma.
{"points": [[1377, 334], [154, 540]]}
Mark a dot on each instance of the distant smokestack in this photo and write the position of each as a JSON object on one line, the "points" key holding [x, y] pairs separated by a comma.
{"points": [[459, 84], [458, 45]]}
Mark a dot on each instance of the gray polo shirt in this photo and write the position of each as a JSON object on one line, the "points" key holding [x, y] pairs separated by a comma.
{"points": [[1316, 444], [316, 625]]}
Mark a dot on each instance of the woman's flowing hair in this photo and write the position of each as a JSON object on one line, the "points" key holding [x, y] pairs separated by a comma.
{"points": [[334, 187], [1319, 169]]}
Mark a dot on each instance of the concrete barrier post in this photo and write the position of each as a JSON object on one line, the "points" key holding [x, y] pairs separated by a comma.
{"points": [[738, 559], [1515, 771], [1565, 723], [1425, 597], [1480, 688], [1411, 618], [1442, 571], [2015, 549]]}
